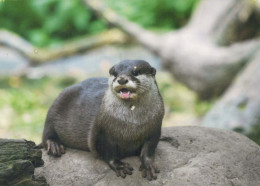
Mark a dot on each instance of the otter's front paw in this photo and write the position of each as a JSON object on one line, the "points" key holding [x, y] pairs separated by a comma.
{"points": [[149, 170], [54, 148], [121, 168]]}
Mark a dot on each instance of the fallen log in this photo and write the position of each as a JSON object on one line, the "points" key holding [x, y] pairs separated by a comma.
{"points": [[37, 56], [18, 159], [239, 107]]}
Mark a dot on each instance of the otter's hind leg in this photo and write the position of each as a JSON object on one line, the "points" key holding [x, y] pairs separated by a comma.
{"points": [[51, 141]]}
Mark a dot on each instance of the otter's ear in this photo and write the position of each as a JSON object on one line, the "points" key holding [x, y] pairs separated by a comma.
{"points": [[112, 71], [153, 71]]}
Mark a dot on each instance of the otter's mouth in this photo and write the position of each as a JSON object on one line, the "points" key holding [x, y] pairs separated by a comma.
{"points": [[126, 93]]}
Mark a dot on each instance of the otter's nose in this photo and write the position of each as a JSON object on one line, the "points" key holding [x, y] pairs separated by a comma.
{"points": [[122, 81]]}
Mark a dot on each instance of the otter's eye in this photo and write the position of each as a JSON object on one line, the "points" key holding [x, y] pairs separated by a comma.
{"points": [[135, 73], [114, 74]]}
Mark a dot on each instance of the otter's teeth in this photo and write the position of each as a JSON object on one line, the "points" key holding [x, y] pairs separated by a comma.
{"points": [[125, 95]]}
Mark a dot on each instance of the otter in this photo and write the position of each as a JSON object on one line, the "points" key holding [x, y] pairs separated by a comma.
{"points": [[113, 117]]}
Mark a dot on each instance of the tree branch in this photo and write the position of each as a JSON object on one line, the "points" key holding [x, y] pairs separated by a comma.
{"points": [[38, 56], [147, 38]]}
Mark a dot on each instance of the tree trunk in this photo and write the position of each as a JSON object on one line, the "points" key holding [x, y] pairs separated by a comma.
{"points": [[18, 159], [240, 105], [193, 54]]}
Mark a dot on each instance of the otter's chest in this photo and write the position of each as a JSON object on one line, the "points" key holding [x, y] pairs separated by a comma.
{"points": [[127, 137], [127, 125], [120, 130], [128, 133]]}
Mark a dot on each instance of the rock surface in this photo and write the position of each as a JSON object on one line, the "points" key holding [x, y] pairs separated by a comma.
{"points": [[191, 156]]}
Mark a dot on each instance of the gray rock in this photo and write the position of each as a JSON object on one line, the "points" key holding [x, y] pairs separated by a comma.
{"points": [[194, 156]]}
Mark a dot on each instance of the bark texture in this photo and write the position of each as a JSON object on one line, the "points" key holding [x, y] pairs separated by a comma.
{"points": [[18, 159]]}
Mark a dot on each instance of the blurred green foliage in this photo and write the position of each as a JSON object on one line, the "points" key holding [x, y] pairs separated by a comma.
{"points": [[24, 104], [201, 107], [49, 22], [177, 97], [253, 134], [155, 14]]}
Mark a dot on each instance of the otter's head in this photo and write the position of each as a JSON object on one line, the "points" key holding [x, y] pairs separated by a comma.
{"points": [[131, 78]]}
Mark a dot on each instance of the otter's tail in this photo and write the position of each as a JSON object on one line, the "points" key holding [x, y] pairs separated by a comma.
{"points": [[174, 142]]}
